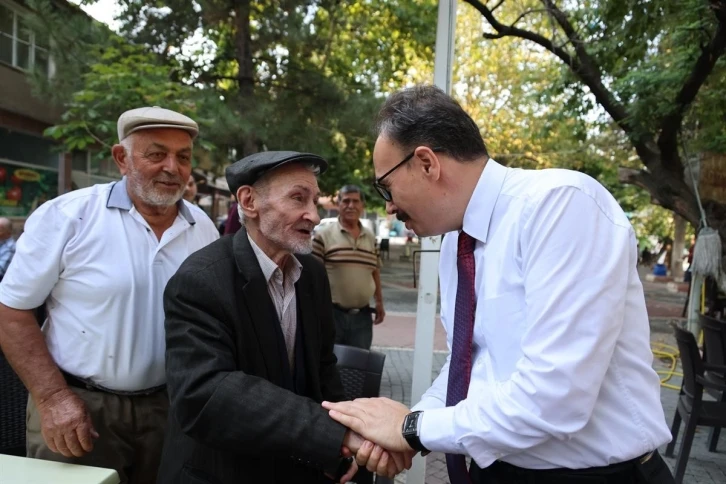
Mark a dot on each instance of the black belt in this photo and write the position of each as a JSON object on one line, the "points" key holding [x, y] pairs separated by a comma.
{"points": [[74, 381], [615, 473], [364, 309]]}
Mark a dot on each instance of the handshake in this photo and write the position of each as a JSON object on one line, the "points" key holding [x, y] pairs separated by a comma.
{"points": [[375, 437]]}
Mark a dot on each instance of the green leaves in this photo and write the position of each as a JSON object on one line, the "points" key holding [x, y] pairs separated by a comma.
{"points": [[119, 76]]}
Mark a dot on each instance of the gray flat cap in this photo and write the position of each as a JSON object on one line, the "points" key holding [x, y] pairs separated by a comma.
{"points": [[250, 168], [154, 117]]}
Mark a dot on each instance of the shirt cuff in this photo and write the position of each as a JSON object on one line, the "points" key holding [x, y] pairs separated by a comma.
{"points": [[428, 404], [438, 431]]}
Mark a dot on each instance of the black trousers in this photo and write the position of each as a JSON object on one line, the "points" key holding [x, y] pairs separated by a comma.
{"points": [[653, 471]]}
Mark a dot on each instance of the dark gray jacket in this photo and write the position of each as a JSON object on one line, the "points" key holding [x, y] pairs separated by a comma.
{"points": [[231, 420]]}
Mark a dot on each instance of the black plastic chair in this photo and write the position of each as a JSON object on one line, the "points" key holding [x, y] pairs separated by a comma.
{"points": [[360, 372], [13, 401], [714, 342], [691, 407]]}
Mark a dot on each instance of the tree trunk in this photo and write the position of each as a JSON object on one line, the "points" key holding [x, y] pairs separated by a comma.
{"points": [[679, 242], [245, 74]]}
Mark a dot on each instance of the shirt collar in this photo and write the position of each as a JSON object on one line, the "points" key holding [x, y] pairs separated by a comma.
{"points": [[343, 229], [479, 211], [293, 267], [118, 197]]}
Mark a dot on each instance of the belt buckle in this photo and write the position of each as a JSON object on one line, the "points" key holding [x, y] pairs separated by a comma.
{"points": [[646, 457], [353, 311]]}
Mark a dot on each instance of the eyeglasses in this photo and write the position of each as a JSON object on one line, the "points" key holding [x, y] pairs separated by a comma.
{"points": [[384, 191]]}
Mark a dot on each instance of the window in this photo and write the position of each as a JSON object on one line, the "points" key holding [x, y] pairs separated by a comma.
{"points": [[88, 162], [19, 45]]}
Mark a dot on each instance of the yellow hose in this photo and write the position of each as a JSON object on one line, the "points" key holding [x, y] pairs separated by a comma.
{"points": [[662, 350]]}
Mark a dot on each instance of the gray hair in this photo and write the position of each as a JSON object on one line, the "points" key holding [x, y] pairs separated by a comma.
{"points": [[261, 186], [351, 189], [127, 143]]}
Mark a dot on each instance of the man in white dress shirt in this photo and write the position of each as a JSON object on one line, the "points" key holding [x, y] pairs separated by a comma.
{"points": [[549, 379], [99, 259]]}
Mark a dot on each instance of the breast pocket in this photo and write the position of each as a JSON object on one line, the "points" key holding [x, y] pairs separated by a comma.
{"points": [[500, 323]]}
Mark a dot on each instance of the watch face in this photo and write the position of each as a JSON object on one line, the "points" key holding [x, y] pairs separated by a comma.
{"points": [[409, 424]]}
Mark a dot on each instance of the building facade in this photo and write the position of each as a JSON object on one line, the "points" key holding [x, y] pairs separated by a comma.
{"points": [[32, 167]]}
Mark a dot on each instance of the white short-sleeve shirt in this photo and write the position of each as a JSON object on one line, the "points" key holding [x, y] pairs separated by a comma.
{"points": [[98, 266]]}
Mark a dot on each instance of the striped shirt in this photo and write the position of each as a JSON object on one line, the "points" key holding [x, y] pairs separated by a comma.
{"points": [[282, 292], [7, 251], [350, 263]]}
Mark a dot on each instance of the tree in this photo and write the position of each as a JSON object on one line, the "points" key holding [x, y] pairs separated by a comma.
{"points": [[269, 74], [123, 76], [506, 89], [655, 69], [305, 74]]}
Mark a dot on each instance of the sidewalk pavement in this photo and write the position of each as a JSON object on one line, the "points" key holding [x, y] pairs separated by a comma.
{"points": [[398, 330]]}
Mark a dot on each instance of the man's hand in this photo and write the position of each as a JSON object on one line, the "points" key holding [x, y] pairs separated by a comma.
{"points": [[384, 463], [351, 444], [376, 419], [373, 457], [65, 424], [380, 313], [352, 441]]}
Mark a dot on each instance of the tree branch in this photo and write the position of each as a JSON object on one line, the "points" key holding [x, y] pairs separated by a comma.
{"points": [[639, 178], [508, 30], [98, 140], [499, 4], [587, 70], [333, 11], [525, 13], [670, 192], [710, 53], [581, 64]]}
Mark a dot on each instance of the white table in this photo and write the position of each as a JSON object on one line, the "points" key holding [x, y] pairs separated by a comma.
{"points": [[21, 470]]}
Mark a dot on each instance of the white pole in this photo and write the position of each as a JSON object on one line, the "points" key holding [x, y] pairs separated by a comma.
{"points": [[445, 41], [429, 276]]}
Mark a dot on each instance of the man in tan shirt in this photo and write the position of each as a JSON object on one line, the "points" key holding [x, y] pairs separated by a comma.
{"points": [[348, 251]]}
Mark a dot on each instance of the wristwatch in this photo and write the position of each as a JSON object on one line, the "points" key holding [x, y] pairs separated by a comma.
{"points": [[410, 430]]}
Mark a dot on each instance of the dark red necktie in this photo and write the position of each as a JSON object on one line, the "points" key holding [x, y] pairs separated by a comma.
{"points": [[460, 365]]}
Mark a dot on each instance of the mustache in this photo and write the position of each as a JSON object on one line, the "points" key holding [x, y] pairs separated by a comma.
{"points": [[166, 178], [402, 216], [308, 227]]}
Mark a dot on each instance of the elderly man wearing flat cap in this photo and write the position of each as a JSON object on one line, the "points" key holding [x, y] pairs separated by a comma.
{"points": [[98, 259], [249, 343]]}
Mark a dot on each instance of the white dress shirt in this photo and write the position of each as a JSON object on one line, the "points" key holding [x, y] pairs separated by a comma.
{"points": [[98, 266], [561, 363]]}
